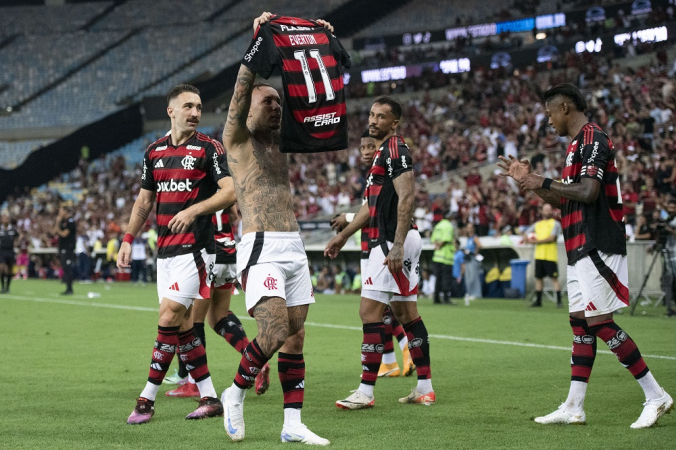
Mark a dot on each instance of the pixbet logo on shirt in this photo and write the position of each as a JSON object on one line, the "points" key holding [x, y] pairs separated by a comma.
{"points": [[174, 186], [323, 119]]}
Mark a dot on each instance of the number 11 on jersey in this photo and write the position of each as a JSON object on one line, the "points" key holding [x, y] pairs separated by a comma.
{"points": [[309, 82]]}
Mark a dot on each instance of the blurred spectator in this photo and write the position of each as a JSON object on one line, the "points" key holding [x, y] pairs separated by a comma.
{"points": [[473, 258]]}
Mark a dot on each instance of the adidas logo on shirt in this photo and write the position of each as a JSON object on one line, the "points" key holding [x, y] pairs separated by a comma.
{"points": [[368, 281], [159, 164]]}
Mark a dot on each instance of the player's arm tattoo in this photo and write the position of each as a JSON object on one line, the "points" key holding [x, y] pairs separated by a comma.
{"points": [[142, 213], [273, 324], [235, 124]]}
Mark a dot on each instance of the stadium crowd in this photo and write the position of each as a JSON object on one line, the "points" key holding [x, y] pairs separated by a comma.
{"points": [[477, 117]]}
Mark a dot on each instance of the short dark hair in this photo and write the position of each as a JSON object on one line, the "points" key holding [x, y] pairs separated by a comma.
{"points": [[394, 105], [569, 91], [366, 134], [259, 84], [178, 90]]}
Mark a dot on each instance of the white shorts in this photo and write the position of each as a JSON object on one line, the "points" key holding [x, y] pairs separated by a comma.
{"points": [[597, 284], [184, 278], [381, 285], [224, 276], [274, 264]]}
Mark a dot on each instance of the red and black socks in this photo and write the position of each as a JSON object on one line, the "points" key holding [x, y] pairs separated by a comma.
{"points": [[232, 331], [372, 349], [291, 369], [584, 350], [163, 353], [628, 354], [250, 365]]}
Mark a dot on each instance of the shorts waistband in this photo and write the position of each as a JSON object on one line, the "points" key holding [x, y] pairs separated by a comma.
{"points": [[271, 235]]}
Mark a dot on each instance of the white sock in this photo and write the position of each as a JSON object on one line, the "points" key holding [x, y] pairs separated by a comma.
{"points": [[206, 388], [236, 393], [403, 343], [150, 391], [576, 395], [191, 380], [652, 390], [424, 386], [389, 358], [291, 417], [366, 389]]}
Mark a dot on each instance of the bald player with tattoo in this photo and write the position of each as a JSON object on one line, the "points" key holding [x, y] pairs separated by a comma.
{"points": [[272, 266]]}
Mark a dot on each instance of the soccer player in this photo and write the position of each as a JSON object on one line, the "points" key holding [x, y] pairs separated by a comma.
{"points": [[272, 265], [391, 273], [8, 236], [546, 231], [388, 366], [182, 173], [593, 229], [216, 309]]}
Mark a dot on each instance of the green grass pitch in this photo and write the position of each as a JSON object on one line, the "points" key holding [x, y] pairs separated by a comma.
{"points": [[73, 366]]}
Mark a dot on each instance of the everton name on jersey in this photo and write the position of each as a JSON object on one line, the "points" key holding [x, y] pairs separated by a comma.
{"points": [[311, 61]]}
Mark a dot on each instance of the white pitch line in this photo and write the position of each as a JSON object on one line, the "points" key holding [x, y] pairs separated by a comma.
{"points": [[315, 324]]}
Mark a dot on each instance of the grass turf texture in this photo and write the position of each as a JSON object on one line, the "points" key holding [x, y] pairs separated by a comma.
{"points": [[72, 371]]}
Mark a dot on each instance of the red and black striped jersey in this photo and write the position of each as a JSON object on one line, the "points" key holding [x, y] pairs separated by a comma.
{"points": [[182, 176], [311, 62], [391, 160], [598, 225], [226, 253]]}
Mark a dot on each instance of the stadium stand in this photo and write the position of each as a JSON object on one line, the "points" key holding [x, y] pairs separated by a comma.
{"points": [[13, 154]]}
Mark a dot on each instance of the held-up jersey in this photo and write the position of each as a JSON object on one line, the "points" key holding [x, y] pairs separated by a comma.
{"points": [[392, 159], [311, 61], [182, 176], [224, 236], [598, 225]]}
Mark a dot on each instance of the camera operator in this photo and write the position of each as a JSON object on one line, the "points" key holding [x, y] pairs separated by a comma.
{"points": [[665, 236]]}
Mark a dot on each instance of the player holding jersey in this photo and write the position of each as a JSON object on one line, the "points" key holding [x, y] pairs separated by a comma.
{"points": [[272, 265], [391, 273], [593, 229], [182, 173]]}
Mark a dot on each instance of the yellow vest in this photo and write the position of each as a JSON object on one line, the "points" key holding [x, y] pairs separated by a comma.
{"points": [[543, 230]]}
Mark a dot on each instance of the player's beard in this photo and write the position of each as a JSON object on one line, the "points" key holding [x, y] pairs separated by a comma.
{"points": [[377, 133]]}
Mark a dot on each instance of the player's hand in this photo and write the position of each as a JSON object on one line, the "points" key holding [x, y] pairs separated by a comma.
{"points": [[182, 221], [514, 168], [395, 259], [339, 222], [334, 245], [260, 20], [124, 256], [325, 24], [530, 182]]}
